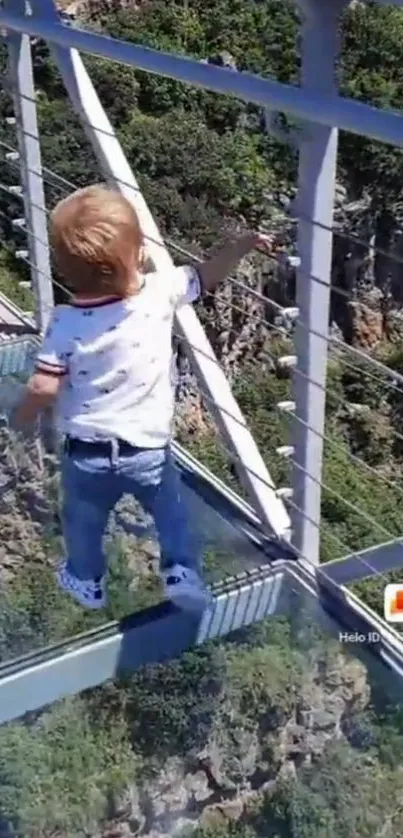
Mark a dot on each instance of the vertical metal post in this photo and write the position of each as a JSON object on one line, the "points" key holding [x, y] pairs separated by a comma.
{"points": [[317, 175], [21, 77]]}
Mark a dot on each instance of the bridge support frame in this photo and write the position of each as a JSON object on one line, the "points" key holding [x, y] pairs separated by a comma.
{"points": [[314, 207], [22, 82]]}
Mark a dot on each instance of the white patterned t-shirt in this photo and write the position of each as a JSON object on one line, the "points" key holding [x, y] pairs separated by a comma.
{"points": [[115, 357]]}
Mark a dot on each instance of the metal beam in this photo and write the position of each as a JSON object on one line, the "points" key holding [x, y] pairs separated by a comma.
{"points": [[316, 185], [13, 315], [222, 404], [153, 636], [162, 633], [371, 563], [23, 90], [346, 114]]}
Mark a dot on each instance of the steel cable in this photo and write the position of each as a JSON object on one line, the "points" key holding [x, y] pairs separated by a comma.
{"points": [[280, 309]]}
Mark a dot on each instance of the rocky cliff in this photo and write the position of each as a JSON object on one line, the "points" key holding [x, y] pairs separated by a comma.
{"points": [[243, 764]]}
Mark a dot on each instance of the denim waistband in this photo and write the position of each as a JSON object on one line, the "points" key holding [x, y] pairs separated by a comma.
{"points": [[97, 447]]}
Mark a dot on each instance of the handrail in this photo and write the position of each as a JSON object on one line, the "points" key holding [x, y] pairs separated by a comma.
{"points": [[346, 114]]}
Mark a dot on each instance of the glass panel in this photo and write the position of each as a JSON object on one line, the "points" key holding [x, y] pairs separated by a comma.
{"points": [[33, 612], [277, 732]]}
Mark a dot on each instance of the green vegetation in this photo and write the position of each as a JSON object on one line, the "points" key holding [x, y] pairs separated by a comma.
{"points": [[240, 735], [275, 732], [10, 275]]}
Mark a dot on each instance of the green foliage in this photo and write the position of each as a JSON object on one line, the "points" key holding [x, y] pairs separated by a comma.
{"points": [[183, 180], [353, 507], [58, 775], [335, 797], [372, 72], [258, 393], [260, 36], [64, 147], [262, 683], [11, 273], [174, 704]]}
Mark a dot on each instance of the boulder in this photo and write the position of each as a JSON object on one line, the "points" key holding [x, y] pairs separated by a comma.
{"points": [[222, 813], [197, 786], [231, 757], [167, 793]]}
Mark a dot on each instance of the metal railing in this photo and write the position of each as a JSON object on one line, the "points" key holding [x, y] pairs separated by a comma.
{"points": [[304, 409]]}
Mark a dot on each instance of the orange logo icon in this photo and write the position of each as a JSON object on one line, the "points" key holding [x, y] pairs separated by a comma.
{"points": [[393, 603]]}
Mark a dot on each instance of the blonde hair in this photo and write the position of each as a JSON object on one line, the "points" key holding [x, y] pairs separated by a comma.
{"points": [[97, 242]]}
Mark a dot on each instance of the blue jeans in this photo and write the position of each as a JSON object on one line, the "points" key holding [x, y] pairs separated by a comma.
{"points": [[93, 485]]}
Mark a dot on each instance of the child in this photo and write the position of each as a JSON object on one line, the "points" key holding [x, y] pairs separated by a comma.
{"points": [[106, 359]]}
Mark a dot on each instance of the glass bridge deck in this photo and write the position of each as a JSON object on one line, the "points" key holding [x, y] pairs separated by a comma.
{"points": [[265, 719], [278, 713], [278, 729]]}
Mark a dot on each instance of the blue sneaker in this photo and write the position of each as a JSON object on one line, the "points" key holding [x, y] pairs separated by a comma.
{"points": [[185, 588], [90, 593]]}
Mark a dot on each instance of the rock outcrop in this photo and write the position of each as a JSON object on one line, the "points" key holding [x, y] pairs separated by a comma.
{"points": [[238, 764]]}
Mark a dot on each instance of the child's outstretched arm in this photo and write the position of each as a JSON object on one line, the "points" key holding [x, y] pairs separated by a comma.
{"points": [[41, 392], [216, 268], [50, 372]]}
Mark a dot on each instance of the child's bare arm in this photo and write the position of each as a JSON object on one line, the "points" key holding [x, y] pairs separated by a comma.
{"points": [[41, 392], [215, 269]]}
